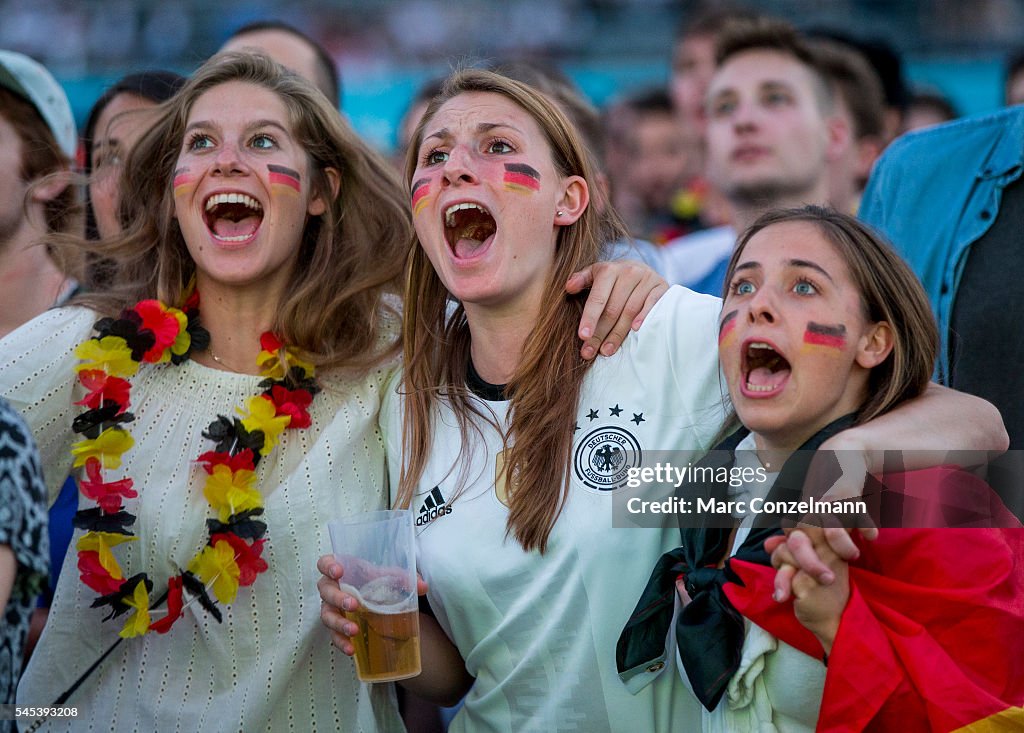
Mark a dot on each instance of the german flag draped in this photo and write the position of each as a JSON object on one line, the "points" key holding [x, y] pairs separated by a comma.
{"points": [[932, 638]]}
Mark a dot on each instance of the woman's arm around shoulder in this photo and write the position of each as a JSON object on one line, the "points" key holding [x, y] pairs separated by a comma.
{"points": [[941, 427]]}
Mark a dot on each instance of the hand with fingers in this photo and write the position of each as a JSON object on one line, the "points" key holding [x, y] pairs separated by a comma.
{"points": [[812, 564], [622, 293], [843, 467], [335, 602]]}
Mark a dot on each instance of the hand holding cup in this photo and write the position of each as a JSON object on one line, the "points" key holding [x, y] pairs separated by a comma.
{"points": [[369, 591]]}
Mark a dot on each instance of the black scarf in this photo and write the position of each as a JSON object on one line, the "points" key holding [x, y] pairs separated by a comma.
{"points": [[709, 631]]}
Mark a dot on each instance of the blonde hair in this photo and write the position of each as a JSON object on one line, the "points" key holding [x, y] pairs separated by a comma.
{"points": [[349, 258], [545, 387], [889, 292]]}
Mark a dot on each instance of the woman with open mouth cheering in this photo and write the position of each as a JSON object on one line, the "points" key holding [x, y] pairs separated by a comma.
{"points": [[511, 448], [219, 403]]}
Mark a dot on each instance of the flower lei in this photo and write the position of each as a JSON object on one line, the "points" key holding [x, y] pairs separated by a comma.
{"points": [[153, 333]]}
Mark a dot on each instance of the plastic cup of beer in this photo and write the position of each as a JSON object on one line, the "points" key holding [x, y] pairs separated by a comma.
{"points": [[378, 553]]}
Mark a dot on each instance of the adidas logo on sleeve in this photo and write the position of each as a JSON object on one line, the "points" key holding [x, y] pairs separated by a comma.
{"points": [[433, 506]]}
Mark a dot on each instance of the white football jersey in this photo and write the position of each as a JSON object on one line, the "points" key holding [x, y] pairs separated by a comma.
{"points": [[538, 632]]}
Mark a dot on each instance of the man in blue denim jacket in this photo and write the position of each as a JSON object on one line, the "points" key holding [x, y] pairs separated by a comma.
{"points": [[951, 200]]}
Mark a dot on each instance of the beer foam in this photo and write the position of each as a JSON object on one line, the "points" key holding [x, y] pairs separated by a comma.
{"points": [[385, 594]]}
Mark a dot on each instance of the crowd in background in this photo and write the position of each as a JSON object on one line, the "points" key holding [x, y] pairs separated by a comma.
{"points": [[104, 37], [688, 165], [387, 48]]}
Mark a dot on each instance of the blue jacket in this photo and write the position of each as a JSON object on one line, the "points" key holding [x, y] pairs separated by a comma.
{"points": [[936, 192]]}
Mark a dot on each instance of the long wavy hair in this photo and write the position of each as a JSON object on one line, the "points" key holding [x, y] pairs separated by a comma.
{"points": [[350, 258], [545, 387]]}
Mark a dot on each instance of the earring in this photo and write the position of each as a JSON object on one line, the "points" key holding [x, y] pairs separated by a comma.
{"points": [[559, 213]]}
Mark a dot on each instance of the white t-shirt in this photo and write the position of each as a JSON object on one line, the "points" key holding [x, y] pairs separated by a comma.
{"points": [[539, 632], [269, 665]]}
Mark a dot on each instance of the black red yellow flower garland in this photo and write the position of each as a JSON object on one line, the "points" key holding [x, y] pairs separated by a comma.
{"points": [[154, 333]]}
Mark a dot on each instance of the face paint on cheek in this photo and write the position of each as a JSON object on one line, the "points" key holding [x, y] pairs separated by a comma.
{"points": [[184, 182], [521, 177], [819, 335], [284, 180], [420, 194], [727, 327]]}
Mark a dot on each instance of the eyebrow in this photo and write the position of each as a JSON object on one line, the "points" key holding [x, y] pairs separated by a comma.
{"points": [[776, 84], [98, 135], [101, 146], [811, 265], [715, 94], [791, 263], [254, 125], [484, 127], [767, 85]]}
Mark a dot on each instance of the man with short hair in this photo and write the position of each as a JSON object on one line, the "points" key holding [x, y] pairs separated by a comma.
{"points": [[772, 131], [693, 59], [662, 158], [861, 103], [37, 144], [692, 66], [294, 50], [927, 108]]}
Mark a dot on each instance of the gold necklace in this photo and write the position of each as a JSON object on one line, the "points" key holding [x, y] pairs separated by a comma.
{"points": [[222, 363]]}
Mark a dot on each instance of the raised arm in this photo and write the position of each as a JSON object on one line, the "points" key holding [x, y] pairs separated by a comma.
{"points": [[941, 427]]}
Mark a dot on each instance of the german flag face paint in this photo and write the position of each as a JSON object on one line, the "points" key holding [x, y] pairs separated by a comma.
{"points": [[420, 194], [727, 328], [795, 360], [485, 211], [184, 182], [521, 177], [819, 335], [284, 180]]}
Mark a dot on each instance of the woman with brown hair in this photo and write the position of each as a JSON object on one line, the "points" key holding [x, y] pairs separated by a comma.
{"points": [[512, 447], [825, 328], [211, 454]]}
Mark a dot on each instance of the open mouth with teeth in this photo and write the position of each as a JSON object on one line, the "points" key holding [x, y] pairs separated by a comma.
{"points": [[233, 217], [765, 370], [468, 229]]}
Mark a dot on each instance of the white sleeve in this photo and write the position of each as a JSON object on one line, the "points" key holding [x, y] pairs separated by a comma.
{"points": [[37, 377], [679, 342]]}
